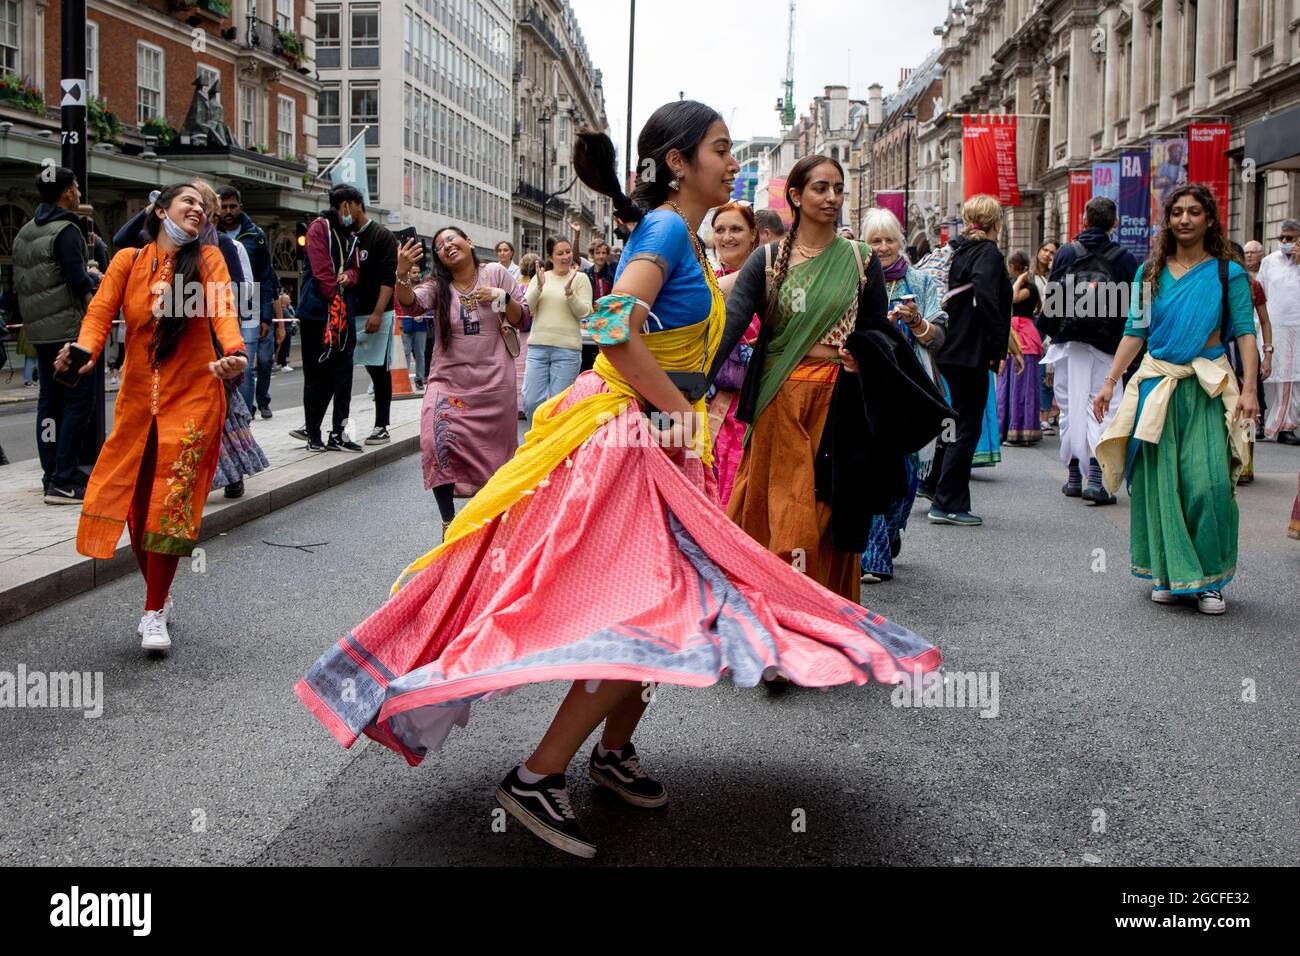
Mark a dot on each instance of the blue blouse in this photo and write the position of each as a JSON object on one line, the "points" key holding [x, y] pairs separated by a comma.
{"points": [[662, 237]]}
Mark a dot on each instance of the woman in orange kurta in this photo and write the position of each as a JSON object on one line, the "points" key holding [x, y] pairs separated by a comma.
{"points": [[156, 467]]}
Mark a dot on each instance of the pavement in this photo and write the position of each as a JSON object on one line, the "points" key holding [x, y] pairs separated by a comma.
{"points": [[1126, 733]]}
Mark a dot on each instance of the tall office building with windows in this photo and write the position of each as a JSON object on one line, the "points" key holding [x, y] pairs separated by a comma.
{"points": [[449, 81]]}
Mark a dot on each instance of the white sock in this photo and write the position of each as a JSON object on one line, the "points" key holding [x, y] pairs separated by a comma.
{"points": [[527, 776]]}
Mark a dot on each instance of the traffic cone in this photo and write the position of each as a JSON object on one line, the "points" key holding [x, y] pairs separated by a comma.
{"points": [[397, 367]]}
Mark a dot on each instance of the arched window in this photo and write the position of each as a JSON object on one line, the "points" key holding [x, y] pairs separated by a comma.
{"points": [[835, 153], [12, 218]]}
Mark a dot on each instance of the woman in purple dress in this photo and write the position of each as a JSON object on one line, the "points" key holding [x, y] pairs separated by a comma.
{"points": [[469, 420]]}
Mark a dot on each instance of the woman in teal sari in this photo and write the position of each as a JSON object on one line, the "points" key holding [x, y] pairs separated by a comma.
{"points": [[1180, 435]]}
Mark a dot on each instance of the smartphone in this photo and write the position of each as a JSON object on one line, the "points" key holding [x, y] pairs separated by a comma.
{"points": [[77, 357]]}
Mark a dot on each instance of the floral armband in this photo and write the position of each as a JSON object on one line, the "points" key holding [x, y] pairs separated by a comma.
{"points": [[610, 323]]}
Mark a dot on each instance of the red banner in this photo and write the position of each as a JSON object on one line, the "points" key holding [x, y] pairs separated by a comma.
{"points": [[988, 152], [891, 199], [1080, 193], [1207, 160]]}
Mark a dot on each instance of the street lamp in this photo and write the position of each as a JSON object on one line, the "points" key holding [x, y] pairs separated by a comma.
{"points": [[545, 121], [908, 117]]}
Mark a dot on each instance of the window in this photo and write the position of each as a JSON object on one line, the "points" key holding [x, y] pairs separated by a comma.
{"points": [[286, 142], [372, 179], [365, 36], [406, 42], [92, 58], [1189, 42], [148, 82], [284, 15], [248, 128], [211, 77], [9, 61], [327, 38], [365, 112], [327, 117]]}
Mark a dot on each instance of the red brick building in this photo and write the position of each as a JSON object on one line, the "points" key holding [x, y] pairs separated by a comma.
{"points": [[143, 58]]}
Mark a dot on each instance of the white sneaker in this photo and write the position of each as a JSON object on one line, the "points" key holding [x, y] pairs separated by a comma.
{"points": [[1164, 597], [286, 368], [153, 630], [1211, 602]]}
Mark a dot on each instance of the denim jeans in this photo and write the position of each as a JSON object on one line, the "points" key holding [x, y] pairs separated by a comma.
{"points": [[413, 345], [550, 370], [29, 369], [260, 352], [62, 417]]}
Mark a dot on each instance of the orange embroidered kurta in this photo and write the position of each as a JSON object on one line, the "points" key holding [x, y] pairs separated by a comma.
{"points": [[180, 398]]}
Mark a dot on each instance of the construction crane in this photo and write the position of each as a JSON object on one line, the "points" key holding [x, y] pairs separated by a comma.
{"points": [[785, 105]]}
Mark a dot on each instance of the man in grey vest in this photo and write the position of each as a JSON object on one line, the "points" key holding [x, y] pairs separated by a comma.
{"points": [[54, 286]]}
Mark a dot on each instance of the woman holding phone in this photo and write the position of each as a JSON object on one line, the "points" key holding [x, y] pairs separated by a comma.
{"points": [[156, 467], [914, 309]]}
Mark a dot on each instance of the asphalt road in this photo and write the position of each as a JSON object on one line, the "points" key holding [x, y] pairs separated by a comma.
{"points": [[1121, 735]]}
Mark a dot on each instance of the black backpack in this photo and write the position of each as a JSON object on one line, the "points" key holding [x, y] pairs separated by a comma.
{"points": [[1090, 267]]}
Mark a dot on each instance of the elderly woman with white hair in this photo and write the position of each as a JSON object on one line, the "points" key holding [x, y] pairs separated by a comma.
{"points": [[914, 308]]}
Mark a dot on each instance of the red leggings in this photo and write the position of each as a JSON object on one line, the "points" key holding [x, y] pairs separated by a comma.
{"points": [[158, 569]]}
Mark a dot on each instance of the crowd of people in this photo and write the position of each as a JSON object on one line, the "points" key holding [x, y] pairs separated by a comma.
{"points": [[748, 434]]}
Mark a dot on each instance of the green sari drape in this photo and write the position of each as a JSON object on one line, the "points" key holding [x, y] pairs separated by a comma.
{"points": [[814, 296]]}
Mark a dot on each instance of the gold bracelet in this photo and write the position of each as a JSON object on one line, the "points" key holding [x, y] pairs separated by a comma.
{"points": [[1112, 380]]}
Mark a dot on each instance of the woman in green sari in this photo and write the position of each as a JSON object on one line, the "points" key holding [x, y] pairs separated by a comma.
{"points": [[808, 288], [1180, 435]]}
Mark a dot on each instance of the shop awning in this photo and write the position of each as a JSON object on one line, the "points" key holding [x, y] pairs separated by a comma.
{"points": [[1275, 142]]}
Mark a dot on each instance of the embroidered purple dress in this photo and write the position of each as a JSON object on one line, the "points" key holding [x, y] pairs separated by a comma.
{"points": [[469, 423]]}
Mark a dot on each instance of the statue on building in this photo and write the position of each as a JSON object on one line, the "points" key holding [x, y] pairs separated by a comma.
{"points": [[207, 116]]}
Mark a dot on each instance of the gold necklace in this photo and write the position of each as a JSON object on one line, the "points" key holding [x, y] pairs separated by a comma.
{"points": [[1189, 268], [695, 241], [811, 254]]}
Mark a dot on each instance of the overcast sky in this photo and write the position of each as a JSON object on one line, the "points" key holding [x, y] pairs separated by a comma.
{"points": [[732, 55]]}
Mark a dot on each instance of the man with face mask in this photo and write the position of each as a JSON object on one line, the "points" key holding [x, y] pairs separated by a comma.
{"points": [[1279, 274], [328, 339]]}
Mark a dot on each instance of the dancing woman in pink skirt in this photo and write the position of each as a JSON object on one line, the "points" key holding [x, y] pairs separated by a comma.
{"points": [[598, 554]]}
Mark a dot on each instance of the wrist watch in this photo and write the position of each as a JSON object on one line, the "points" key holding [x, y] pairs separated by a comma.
{"points": [[1268, 350]]}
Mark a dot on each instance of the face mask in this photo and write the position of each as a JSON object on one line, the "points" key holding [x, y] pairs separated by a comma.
{"points": [[176, 234], [1287, 248], [346, 220]]}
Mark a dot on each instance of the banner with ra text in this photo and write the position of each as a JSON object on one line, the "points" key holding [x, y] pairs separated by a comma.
{"points": [[1105, 181], [988, 153], [1135, 202], [1207, 160], [1080, 193]]}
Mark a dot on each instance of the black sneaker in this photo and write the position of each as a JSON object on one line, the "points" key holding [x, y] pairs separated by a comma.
{"points": [[621, 772], [1072, 490], [300, 434], [925, 492], [337, 442], [64, 494], [544, 808], [235, 489], [266, 412], [1098, 496], [315, 444], [378, 437]]}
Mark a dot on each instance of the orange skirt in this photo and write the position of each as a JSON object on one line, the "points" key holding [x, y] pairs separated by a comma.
{"points": [[774, 499]]}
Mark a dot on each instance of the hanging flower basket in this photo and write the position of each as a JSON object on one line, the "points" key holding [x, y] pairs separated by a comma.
{"points": [[22, 94]]}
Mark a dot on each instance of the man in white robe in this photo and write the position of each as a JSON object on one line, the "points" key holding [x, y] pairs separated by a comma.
{"points": [[1279, 274]]}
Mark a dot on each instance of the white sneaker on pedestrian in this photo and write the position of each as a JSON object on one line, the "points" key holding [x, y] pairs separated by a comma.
{"points": [[153, 631], [1211, 602], [1164, 597], [286, 367]]}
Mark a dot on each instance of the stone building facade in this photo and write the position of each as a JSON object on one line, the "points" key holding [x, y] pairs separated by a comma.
{"points": [[1091, 78]]}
